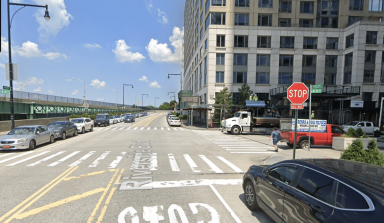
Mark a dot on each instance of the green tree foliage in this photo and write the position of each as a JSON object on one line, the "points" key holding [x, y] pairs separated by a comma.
{"points": [[164, 106], [223, 97], [360, 133], [244, 93], [74, 116], [352, 133], [374, 156], [356, 152], [92, 117]]}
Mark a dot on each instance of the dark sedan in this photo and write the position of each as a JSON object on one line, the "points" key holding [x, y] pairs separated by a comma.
{"points": [[317, 190], [129, 118], [62, 129]]}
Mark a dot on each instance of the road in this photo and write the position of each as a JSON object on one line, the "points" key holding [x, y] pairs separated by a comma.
{"points": [[138, 172]]}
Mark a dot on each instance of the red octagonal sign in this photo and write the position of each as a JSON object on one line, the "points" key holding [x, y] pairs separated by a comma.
{"points": [[297, 93]]}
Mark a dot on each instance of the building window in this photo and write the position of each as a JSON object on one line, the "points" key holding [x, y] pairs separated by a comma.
{"points": [[263, 60], [241, 41], [218, 2], [218, 18], [240, 59], [241, 19], [242, 3], [348, 60], [347, 77], [207, 22], [329, 7], [285, 6], [328, 22], [201, 75], [207, 4], [220, 40], [368, 76], [309, 61], [306, 23], [265, 3], [264, 42], [375, 5], [349, 40], [201, 18], [284, 22], [287, 42], [262, 78], [354, 19], [286, 60], [220, 58], [285, 78], [219, 77], [356, 5], [240, 77], [206, 44], [265, 20], [367, 96], [308, 78], [201, 33], [205, 70], [307, 7], [371, 37], [332, 43], [330, 61], [310, 43], [330, 79], [370, 57]]}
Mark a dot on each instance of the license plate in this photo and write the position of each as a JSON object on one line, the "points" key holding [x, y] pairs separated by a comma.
{"points": [[98, 123], [6, 147]]}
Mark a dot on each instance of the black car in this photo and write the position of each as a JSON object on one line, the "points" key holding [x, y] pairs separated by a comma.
{"points": [[129, 118], [317, 190], [62, 129], [101, 119]]}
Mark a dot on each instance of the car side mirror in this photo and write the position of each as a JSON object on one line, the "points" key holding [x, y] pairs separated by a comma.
{"points": [[37, 132], [265, 172]]}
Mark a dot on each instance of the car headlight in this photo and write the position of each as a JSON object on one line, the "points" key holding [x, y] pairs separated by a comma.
{"points": [[23, 140]]}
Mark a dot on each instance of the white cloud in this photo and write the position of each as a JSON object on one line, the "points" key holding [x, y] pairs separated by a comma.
{"points": [[149, 6], [34, 81], [37, 90], [163, 18], [154, 84], [98, 84], [159, 52], [69, 79], [2, 65], [144, 79], [75, 92], [4, 49], [90, 45], [100, 99], [123, 55], [31, 49], [50, 92], [59, 18]]}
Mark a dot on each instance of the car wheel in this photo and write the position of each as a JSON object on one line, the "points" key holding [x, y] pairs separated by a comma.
{"points": [[52, 139], [304, 144], [290, 145], [91, 128], [63, 136], [32, 144], [250, 196], [235, 130], [75, 133], [377, 133], [83, 130], [108, 124], [229, 132]]}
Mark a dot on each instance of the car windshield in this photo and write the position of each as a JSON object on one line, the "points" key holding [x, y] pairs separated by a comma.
{"points": [[56, 124], [237, 114], [110, 117], [101, 116], [352, 123], [22, 131], [77, 120], [174, 118]]}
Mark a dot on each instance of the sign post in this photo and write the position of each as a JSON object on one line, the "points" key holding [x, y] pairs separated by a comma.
{"points": [[316, 89], [297, 94]]}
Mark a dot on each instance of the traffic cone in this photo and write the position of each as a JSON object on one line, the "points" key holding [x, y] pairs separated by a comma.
{"points": [[211, 124]]}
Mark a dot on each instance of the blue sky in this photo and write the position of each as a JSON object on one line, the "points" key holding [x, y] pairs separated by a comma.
{"points": [[104, 43]]}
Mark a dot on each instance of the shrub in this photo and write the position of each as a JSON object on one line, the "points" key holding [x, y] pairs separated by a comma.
{"points": [[182, 117], [374, 156], [84, 115], [92, 117], [74, 116], [352, 133], [175, 113], [356, 152]]}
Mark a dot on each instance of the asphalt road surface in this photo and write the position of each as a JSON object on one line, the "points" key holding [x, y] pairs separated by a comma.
{"points": [[144, 171]]}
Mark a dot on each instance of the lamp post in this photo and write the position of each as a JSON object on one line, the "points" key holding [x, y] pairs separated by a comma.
{"points": [[123, 93], [181, 81], [174, 97], [142, 100], [155, 102], [47, 17], [85, 98]]}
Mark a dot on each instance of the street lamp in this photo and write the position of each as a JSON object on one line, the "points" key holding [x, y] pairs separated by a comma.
{"points": [[123, 93], [85, 98], [181, 80], [142, 100], [155, 103], [47, 17], [174, 97]]}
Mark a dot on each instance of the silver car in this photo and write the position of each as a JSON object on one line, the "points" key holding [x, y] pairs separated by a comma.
{"points": [[26, 137]]}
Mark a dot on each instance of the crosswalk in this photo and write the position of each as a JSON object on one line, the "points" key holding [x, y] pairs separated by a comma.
{"points": [[138, 128], [235, 144], [104, 159]]}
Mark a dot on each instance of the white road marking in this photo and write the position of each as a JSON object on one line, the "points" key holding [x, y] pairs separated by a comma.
{"points": [[142, 128], [214, 215], [172, 216], [26, 159], [46, 158], [250, 149], [82, 158], [117, 160], [173, 163], [162, 128], [175, 129], [150, 214], [210, 164], [235, 168], [192, 183], [181, 129], [191, 163], [14, 157], [63, 159], [114, 129], [149, 128], [135, 128], [168, 128], [155, 128], [97, 161], [253, 152], [234, 216], [128, 128], [6, 154], [247, 147], [122, 128], [154, 161], [132, 213]]}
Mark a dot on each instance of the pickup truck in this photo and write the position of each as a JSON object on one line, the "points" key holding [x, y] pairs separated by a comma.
{"points": [[367, 127], [317, 138]]}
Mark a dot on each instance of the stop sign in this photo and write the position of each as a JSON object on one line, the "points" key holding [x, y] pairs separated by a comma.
{"points": [[297, 93]]}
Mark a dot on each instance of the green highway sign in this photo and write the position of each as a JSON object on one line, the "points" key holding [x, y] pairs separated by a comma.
{"points": [[315, 91], [6, 88], [317, 86], [4, 91]]}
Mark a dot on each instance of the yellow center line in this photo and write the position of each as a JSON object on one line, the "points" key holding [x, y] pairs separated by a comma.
{"points": [[33, 195], [84, 175], [153, 118], [90, 219], [140, 122], [119, 177], [100, 219], [58, 203], [71, 170]]}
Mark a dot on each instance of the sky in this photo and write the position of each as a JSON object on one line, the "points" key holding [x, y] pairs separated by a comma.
{"points": [[103, 43]]}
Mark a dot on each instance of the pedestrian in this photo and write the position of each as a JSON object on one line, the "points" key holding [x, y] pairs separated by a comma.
{"points": [[222, 124], [275, 135], [313, 114], [255, 98], [250, 97]]}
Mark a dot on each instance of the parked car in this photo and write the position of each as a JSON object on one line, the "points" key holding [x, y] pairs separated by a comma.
{"points": [[129, 118], [145, 113], [137, 115], [112, 120], [102, 119], [171, 116], [367, 127], [63, 128], [83, 124], [316, 190], [26, 137], [174, 121], [118, 118]]}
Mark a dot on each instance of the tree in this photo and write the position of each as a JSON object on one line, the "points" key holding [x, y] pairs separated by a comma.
{"points": [[352, 133], [374, 156], [244, 93], [222, 98], [164, 106], [355, 151]]}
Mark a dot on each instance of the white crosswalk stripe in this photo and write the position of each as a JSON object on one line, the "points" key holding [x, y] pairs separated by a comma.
{"points": [[63, 159], [46, 158], [117, 160], [29, 158], [173, 163], [97, 161], [211, 164], [82, 158], [149, 128], [14, 157], [191, 163], [235, 168]]}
